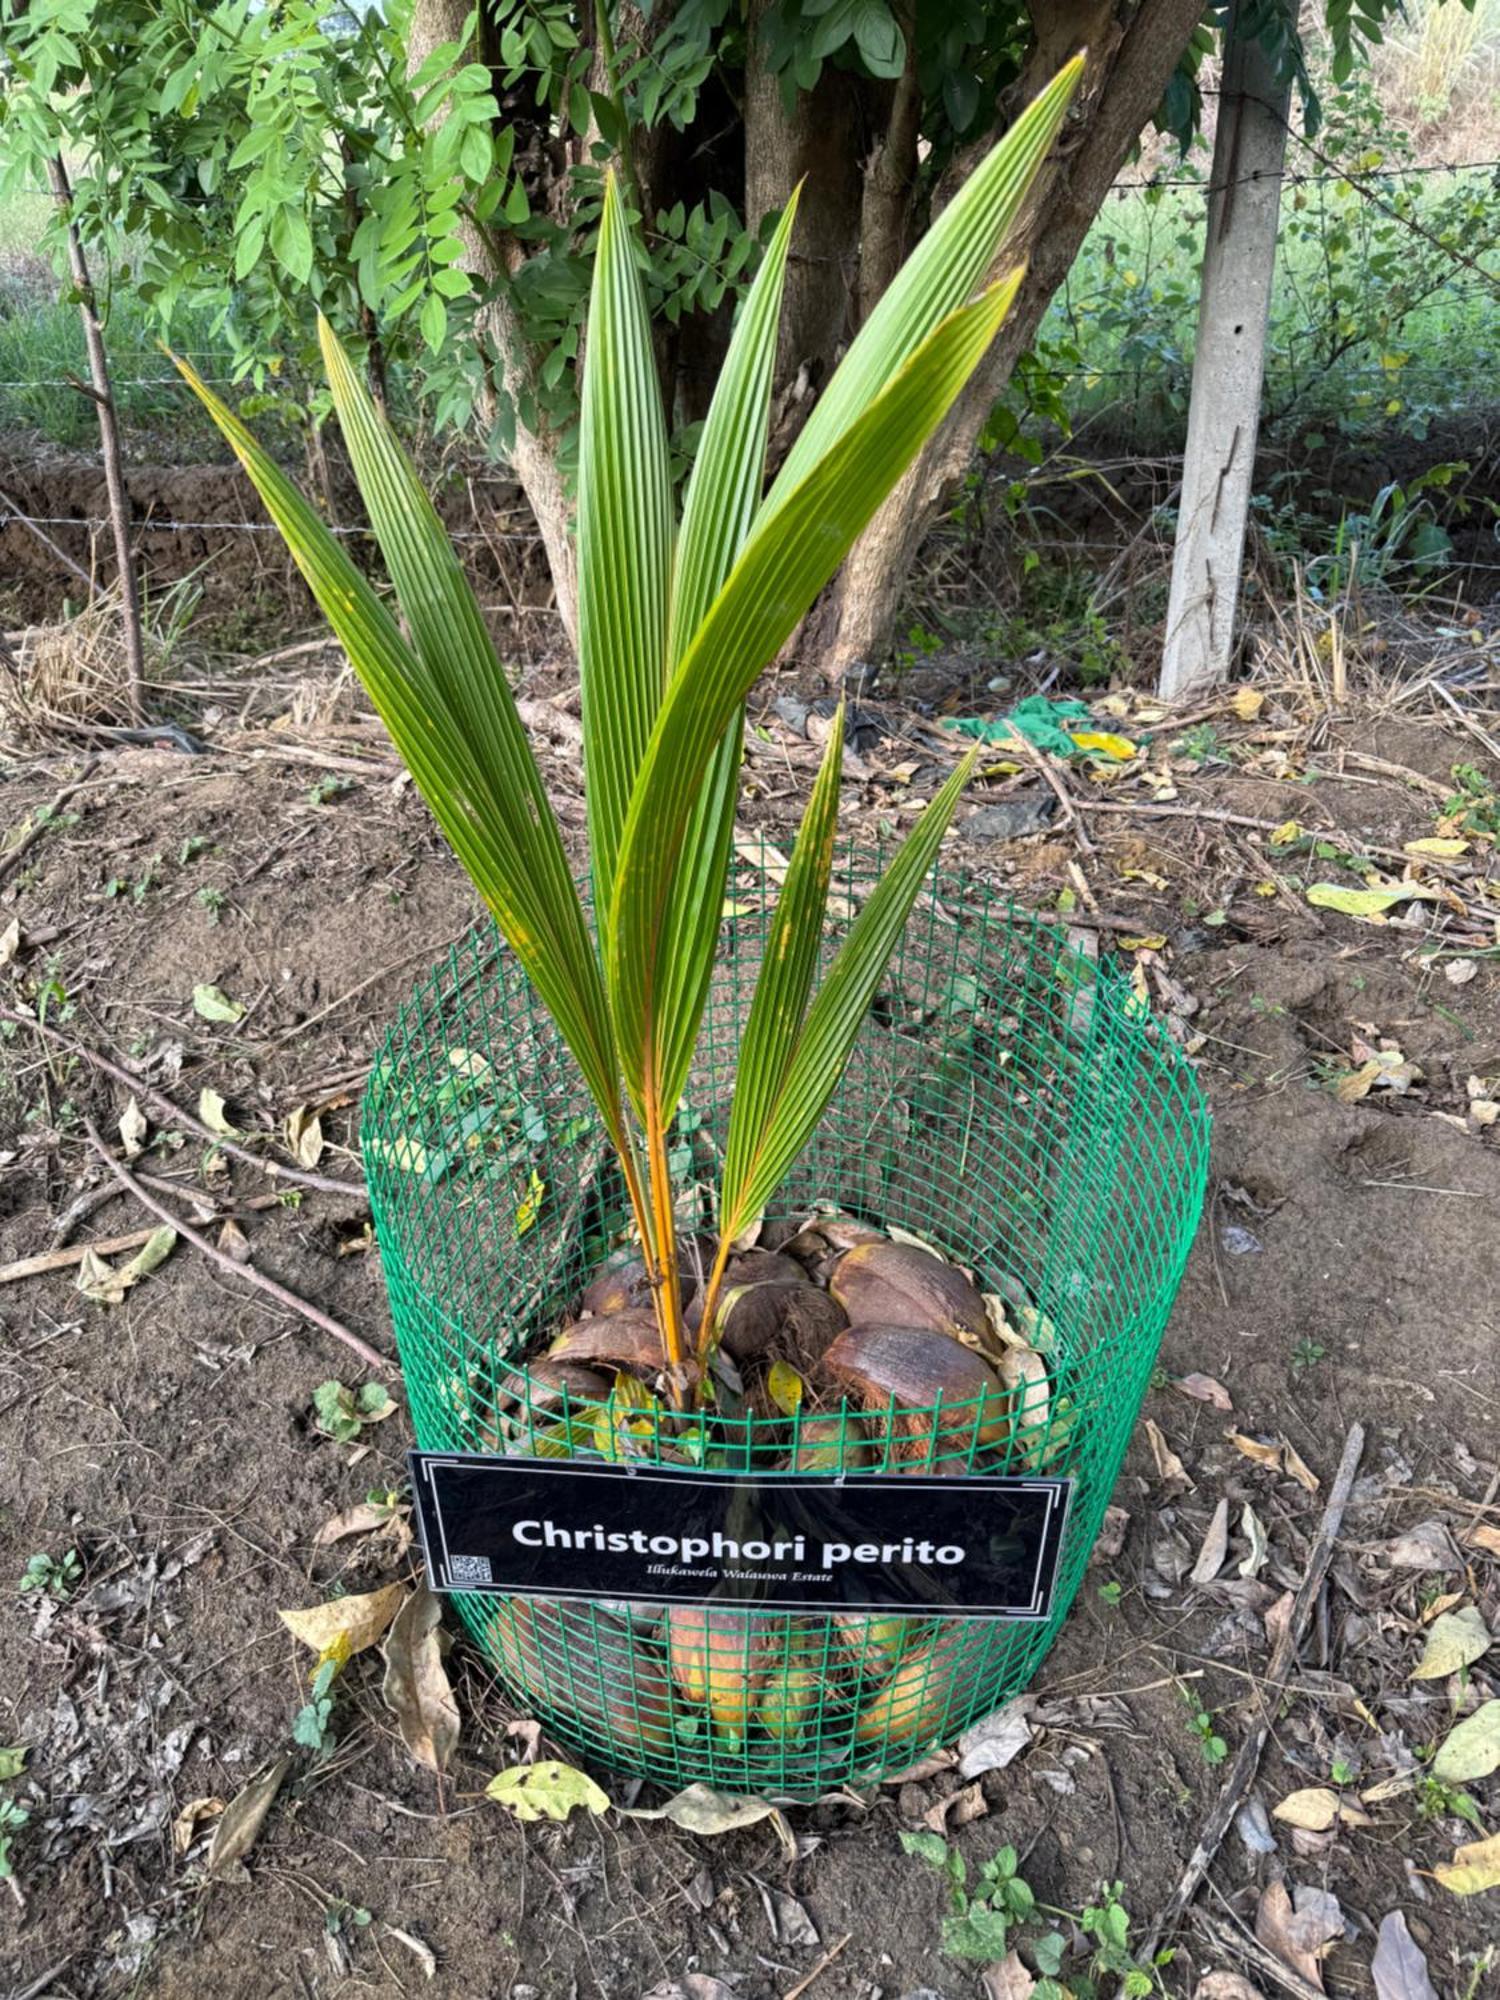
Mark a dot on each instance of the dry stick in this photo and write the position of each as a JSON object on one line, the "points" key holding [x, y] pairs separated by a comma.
{"points": [[174, 1113], [1216, 816], [59, 1260], [1042, 763], [371, 1357], [796, 1992], [40, 822], [109, 438], [1283, 1655]]}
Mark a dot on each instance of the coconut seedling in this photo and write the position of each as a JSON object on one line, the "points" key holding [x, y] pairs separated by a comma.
{"points": [[680, 610]]}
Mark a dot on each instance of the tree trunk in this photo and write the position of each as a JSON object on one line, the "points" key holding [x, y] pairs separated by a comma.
{"points": [[821, 141], [1129, 68], [109, 445], [488, 258]]}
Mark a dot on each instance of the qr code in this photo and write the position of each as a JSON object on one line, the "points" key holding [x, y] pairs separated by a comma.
{"points": [[470, 1569]]}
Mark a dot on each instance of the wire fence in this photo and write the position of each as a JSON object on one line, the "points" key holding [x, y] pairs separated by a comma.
{"points": [[1117, 340]]}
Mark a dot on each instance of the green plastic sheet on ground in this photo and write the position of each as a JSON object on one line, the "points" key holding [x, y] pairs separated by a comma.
{"points": [[1041, 720]]}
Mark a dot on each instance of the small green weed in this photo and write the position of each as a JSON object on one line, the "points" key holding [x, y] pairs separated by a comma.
{"points": [[1436, 1800], [52, 1576], [992, 1914], [12, 1819], [213, 901], [312, 1726], [1110, 1593], [329, 788], [1201, 1721], [343, 1412], [1473, 806], [1307, 1354]]}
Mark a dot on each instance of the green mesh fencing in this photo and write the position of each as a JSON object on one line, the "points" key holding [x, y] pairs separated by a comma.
{"points": [[1009, 1100]]}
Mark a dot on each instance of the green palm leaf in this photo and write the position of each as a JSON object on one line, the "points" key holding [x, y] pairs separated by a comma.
{"points": [[811, 1073], [784, 565], [723, 494], [462, 763], [781, 989], [624, 540]]}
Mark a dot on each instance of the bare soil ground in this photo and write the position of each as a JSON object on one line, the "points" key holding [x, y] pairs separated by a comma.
{"points": [[1347, 1269]]}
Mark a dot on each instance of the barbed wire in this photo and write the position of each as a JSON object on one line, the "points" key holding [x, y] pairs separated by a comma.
{"points": [[1205, 184]]}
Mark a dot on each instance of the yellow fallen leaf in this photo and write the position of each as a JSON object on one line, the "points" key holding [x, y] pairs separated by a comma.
{"points": [[1305, 1477], [1104, 743], [1266, 888], [362, 1620], [1247, 702], [548, 1790], [1288, 831], [1474, 1868], [1439, 849], [1268, 1455], [526, 1214], [1152, 941], [786, 1387]]}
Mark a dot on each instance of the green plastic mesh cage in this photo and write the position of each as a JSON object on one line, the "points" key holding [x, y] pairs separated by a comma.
{"points": [[1010, 1101]]}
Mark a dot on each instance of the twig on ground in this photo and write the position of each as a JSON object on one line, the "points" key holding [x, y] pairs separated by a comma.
{"points": [[1043, 763], [371, 1357], [41, 819], [59, 1260], [1480, 735], [1238, 1943], [1247, 1762], [795, 1992], [174, 1113]]}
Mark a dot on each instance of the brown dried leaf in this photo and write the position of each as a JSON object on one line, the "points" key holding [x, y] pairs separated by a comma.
{"points": [[1268, 1455], [242, 1819], [362, 1620], [1009, 1980], [1455, 1640], [1169, 1467], [1299, 1934], [358, 1520], [234, 1242], [1215, 1547], [1482, 1536], [1306, 1478], [1225, 1986], [1204, 1389], [185, 1826], [415, 1688], [1316, 1808], [304, 1136], [957, 1809]]}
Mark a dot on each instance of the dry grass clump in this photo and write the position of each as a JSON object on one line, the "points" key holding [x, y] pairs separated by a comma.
{"points": [[69, 677]]}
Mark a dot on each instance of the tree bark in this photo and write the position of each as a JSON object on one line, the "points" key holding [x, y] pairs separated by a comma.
{"points": [[490, 260], [821, 141], [109, 445], [1130, 64]]}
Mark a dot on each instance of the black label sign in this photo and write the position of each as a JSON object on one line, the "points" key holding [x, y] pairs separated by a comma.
{"points": [[982, 1548]]}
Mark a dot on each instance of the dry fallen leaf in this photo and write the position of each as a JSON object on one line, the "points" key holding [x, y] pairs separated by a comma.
{"points": [[1427, 1546], [1456, 1640], [1247, 702], [242, 1819], [1009, 1980], [700, 1809], [1169, 1467], [357, 1520], [304, 1136], [1315, 1808], [1277, 1929], [106, 1284], [958, 1809], [1204, 1389], [996, 1741], [1268, 1455], [1225, 1986], [415, 1688], [185, 1826], [1484, 1537], [424, 1954], [1398, 1968], [1474, 1868], [1215, 1547], [1304, 1476], [362, 1620], [133, 1130], [1260, 1547]]}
